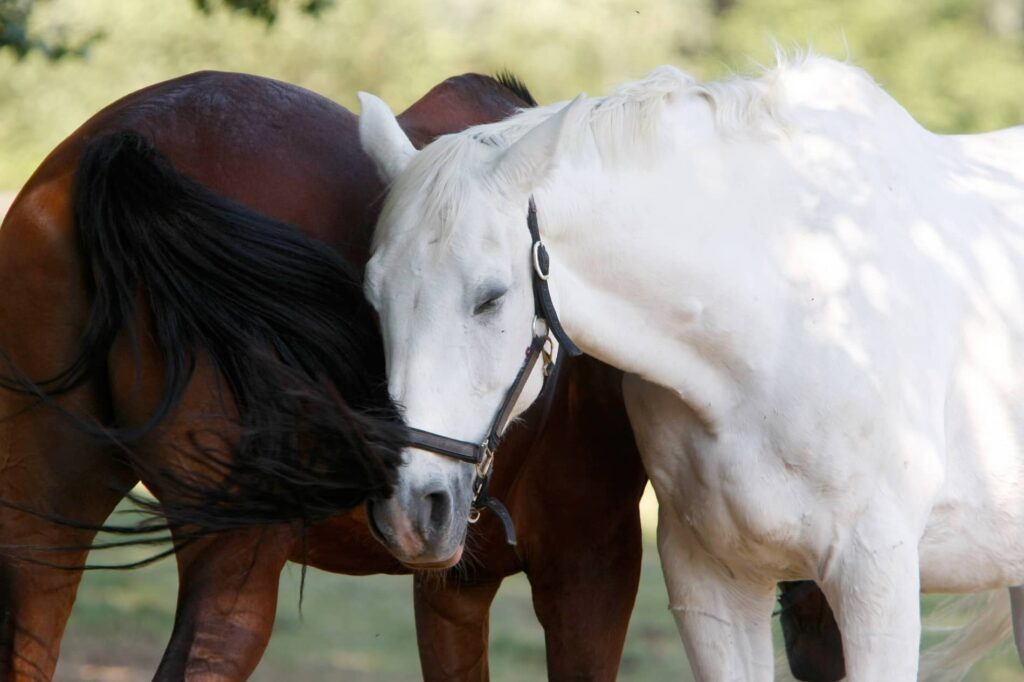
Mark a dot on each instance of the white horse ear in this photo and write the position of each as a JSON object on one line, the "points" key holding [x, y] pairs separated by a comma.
{"points": [[526, 163], [382, 138]]}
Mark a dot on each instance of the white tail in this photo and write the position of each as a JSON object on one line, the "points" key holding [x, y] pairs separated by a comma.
{"points": [[951, 659]]}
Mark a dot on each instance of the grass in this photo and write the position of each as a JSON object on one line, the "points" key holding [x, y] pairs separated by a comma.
{"points": [[361, 629]]}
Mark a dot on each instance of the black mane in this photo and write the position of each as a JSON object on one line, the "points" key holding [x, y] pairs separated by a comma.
{"points": [[512, 82]]}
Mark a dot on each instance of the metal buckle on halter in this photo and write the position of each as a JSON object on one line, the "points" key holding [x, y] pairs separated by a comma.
{"points": [[483, 472], [547, 357], [547, 351], [486, 463]]}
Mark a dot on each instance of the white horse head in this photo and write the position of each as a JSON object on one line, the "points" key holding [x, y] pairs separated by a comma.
{"points": [[451, 279]]}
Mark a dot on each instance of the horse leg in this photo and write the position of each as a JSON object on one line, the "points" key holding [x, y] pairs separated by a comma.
{"points": [[227, 581], [872, 581], [814, 647], [46, 468], [46, 465], [723, 619], [584, 600], [452, 627], [227, 600]]}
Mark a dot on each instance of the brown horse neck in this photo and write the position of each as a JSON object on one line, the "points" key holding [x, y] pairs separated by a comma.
{"points": [[456, 104]]}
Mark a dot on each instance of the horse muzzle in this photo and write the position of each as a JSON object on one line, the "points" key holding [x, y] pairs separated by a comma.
{"points": [[422, 526]]}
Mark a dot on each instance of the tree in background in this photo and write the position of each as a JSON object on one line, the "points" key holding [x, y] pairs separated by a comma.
{"points": [[54, 43], [266, 10]]}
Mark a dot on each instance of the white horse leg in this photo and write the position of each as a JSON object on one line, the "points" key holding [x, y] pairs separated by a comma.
{"points": [[724, 620], [872, 582]]}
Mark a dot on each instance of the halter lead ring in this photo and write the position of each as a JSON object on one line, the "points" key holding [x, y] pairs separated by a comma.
{"points": [[545, 324]]}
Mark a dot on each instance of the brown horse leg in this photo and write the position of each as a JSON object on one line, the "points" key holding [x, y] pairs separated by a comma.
{"points": [[46, 465], [813, 643], [452, 627], [227, 582], [46, 470], [584, 600], [227, 600]]}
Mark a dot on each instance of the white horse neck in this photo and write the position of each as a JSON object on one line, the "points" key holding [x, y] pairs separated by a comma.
{"points": [[683, 267]]}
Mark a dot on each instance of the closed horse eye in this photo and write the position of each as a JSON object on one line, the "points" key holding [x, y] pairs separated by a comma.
{"points": [[489, 302]]}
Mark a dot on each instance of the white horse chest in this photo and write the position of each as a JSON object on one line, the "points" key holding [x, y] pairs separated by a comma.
{"points": [[747, 503]]}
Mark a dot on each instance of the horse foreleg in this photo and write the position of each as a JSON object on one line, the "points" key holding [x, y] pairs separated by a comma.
{"points": [[583, 596], [872, 580], [723, 619], [227, 600], [814, 646], [452, 627]]}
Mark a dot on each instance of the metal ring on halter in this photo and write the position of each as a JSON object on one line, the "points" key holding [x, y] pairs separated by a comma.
{"points": [[537, 246], [540, 327]]}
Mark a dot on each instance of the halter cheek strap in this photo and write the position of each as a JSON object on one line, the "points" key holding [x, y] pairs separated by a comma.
{"points": [[545, 324], [543, 307]]}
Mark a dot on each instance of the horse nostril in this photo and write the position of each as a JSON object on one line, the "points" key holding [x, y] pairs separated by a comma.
{"points": [[438, 507]]}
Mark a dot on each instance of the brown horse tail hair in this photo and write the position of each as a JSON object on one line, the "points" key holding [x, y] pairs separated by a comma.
{"points": [[282, 318]]}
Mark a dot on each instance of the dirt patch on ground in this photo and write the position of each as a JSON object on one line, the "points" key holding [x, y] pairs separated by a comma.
{"points": [[117, 659], [109, 659]]}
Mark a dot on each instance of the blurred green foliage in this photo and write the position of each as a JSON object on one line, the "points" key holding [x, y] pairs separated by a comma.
{"points": [[264, 9], [958, 65], [52, 43]]}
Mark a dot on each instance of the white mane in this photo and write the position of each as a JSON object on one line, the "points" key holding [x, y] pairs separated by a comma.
{"points": [[622, 126]]}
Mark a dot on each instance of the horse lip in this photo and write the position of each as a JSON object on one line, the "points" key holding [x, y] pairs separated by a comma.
{"points": [[437, 565]]}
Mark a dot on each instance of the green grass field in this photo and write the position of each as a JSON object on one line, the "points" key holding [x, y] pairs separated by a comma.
{"points": [[361, 629]]}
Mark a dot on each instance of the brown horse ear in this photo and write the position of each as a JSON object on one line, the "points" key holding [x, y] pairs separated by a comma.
{"points": [[382, 138], [527, 162]]}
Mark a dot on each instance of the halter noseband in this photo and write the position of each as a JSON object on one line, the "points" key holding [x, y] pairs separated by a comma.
{"points": [[545, 324]]}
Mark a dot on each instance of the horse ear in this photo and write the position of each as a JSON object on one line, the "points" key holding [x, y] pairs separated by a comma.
{"points": [[382, 138], [526, 163]]}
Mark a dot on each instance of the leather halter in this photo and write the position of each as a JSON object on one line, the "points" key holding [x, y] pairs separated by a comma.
{"points": [[545, 323]]}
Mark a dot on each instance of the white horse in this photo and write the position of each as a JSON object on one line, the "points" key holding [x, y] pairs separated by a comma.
{"points": [[820, 307]]}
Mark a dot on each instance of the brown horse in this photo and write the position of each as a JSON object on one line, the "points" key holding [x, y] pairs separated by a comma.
{"points": [[295, 157]]}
